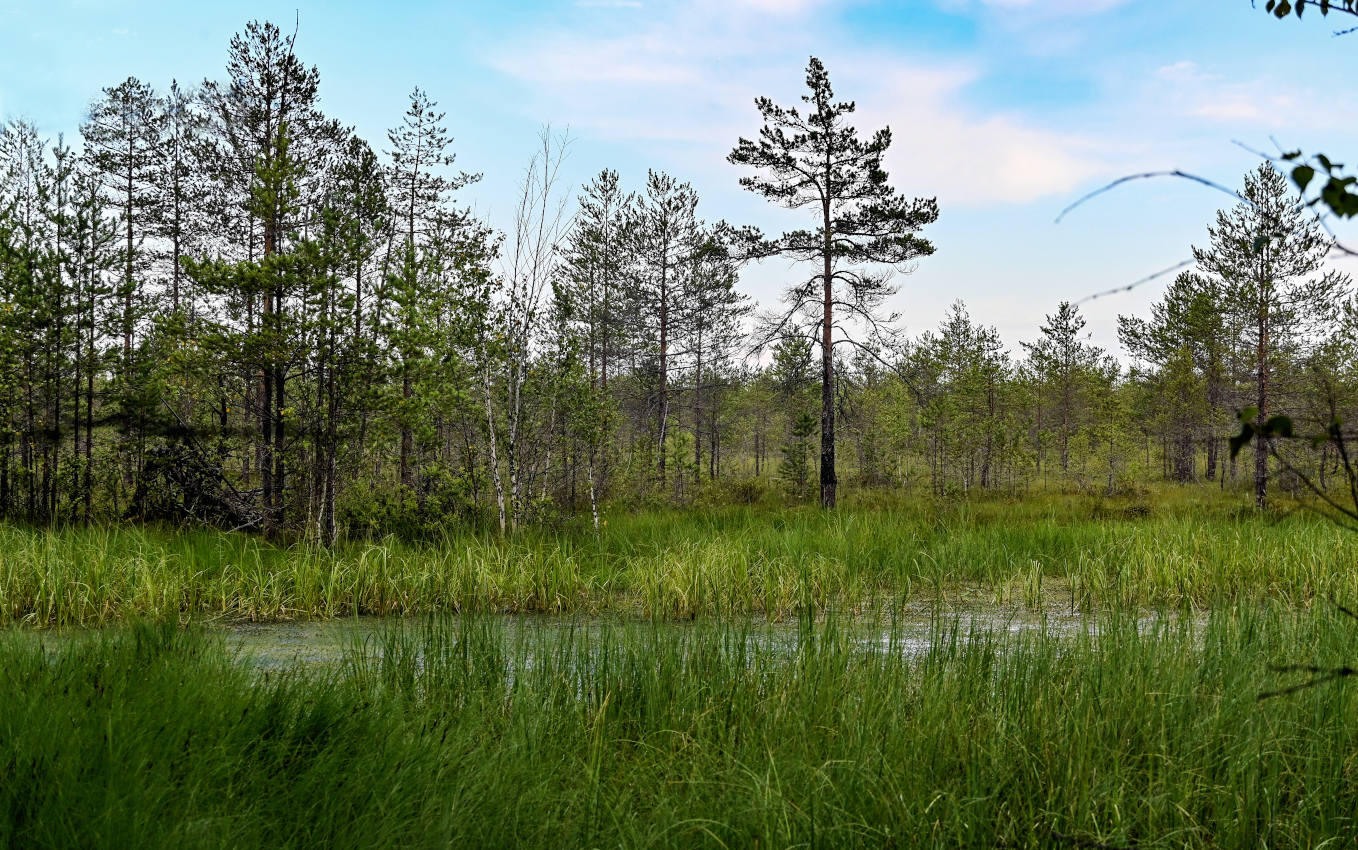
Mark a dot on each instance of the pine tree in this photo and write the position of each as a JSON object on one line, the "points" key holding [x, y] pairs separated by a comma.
{"points": [[122, 137], [792, 378], [178, 188], [592, 318], [26, 197], [95, 256], [1064, 364], [594, 263], [270, 143], [359, 199], [715, 313], [1268, 252], [419, 154], [817, 160], [961, 402], [1187, 321], [664, 237]]}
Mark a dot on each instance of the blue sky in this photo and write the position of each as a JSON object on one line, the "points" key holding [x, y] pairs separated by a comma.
{"points": [[1006, 110]]}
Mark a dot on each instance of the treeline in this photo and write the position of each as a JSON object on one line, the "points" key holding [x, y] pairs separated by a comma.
{"points": [[223, 307], [1259, 323]]}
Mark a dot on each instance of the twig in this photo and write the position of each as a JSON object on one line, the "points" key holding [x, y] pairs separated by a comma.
{"points": [[1134, 284], [1343, 609], [241, 503], [1184, 175], [1319, 675], [1329, 675], [1279, 159]]}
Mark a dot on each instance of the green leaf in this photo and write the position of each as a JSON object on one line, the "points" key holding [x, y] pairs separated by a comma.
{"points": [[1247, 414], [1302, 175], [1282, 9], [1279, 425]]}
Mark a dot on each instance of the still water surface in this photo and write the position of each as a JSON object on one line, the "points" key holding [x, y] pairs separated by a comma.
{"points": [[282, 645]]}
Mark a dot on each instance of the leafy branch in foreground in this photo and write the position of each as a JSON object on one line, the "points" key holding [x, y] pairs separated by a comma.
{"points": [[1319, 675], [1282, 8], [1282, 428], [1337, 192]]}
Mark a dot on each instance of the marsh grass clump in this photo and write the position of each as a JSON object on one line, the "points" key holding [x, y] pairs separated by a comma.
{"points": [[1186, 551], [151, 736], [475, 731]]}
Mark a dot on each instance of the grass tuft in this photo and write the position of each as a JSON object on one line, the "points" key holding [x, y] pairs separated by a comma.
{"points": [[735, 561], [478, 731]]}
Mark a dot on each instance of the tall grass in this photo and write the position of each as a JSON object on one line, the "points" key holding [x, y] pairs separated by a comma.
{"points": [[737, 560], [472, 732]]}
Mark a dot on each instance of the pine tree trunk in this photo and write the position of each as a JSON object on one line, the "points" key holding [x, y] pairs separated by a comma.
{"points": [[89, 415], [828, 482], [265, 454], [1261, 444], [698, 414], [662, 399], [407, 435]]}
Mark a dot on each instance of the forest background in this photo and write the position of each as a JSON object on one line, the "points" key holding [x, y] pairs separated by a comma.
{"points": [[224, 307]]}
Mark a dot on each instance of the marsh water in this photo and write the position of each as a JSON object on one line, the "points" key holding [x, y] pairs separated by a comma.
{"points": [[281, 645], [912, 630]]}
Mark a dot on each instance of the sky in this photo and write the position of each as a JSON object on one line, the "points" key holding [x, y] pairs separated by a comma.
{"points": [[1006, 111]]}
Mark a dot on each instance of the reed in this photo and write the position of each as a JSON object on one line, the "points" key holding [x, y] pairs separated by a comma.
{"points": [[528, 732], [1038, 552]]}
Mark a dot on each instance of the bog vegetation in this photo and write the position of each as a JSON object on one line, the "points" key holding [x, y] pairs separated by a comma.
{"points": [[771, 561], [253, 366], [468, 733]]}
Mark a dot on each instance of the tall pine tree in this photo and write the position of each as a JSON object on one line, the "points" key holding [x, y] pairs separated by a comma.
{"points": [[817, 160]]}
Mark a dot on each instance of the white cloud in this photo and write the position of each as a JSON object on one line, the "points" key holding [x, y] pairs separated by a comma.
{"points": [[782, 7], [1241, 106], [1186, 89], [1183, 70], [689, 79], [967, 157]]}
